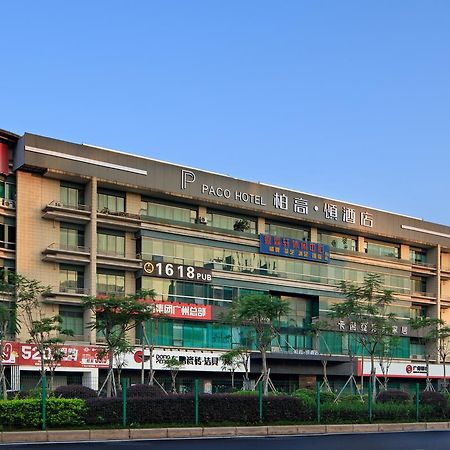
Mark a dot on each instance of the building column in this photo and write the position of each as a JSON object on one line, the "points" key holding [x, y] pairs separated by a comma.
{"points": [[361, 244], [91, 242]]}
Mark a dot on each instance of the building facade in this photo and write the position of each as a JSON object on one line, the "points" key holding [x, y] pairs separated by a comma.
{"points": [[87, 221]]}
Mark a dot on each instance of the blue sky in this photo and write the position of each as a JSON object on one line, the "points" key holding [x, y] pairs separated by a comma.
{"points": [[344, 99]]}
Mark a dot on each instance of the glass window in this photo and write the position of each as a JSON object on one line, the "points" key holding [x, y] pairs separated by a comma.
{"points": [[381, 249], [231, 222], [110, 244], [110, 202], [418, 255], [70, 237], [419, 284], [72, 317], [338, 241], [71, 196], [285, 231], [71, 279], [169, 212], [110, 283]]}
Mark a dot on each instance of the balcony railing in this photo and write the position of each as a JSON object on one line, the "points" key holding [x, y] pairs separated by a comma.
{"points": [[72, 290], [68, 247], [60, 204], [110, 212], [7, 203], [8, 245]]}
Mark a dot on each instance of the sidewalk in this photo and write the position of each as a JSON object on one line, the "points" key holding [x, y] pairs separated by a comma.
{"points": [[197, 432]]}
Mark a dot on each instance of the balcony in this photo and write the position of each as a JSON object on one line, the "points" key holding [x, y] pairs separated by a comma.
{"points": [[7, 203], [57, 210], [66, 295], [66, 254], [116, 260], [118, 220]]}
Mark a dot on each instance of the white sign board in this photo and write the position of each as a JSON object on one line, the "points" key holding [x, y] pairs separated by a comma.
{"points": [[411, 369], [193, 360]]}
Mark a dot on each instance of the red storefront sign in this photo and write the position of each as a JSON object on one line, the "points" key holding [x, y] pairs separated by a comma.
{"points": [[177, 310], [75, 356]]}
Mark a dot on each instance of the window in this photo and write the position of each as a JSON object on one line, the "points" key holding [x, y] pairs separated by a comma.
{"points": [[72, 319], [114, 202], [7, 190], [71, 237], [419, 284], [231, 222], [168, 212], [71, 279], [338, 241], [418, 255], [71, 195], [110, 283], [416, 312], [417, 349], [110, 244], [381, 249], [7, 233], [285, 231]]}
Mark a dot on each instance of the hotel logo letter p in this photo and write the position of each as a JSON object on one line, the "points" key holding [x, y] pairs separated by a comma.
{"points": [[186, 177]]}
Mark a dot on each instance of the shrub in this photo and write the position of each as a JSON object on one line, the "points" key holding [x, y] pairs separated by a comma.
{"points": [[307, 397], [391, 396], [26, 413], [345, 412], [327, 397], [144, 390], [180, 409], [75, 391], [434, 399]]}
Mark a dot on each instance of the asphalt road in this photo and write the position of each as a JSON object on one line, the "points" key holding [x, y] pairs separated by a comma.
{"points": [[424, 440]]}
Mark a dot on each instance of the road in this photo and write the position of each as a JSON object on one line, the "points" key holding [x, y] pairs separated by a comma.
{"points": [[422, 440]]}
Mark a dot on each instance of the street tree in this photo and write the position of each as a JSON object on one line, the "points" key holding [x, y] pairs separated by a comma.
{"points": [[434, 336], [365, 311], [174, 365], [115, 316], [46, 333], [262, 313], [231, 361]]}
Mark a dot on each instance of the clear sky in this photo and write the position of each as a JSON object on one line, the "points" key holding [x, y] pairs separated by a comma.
{"points": [[344, 99]]}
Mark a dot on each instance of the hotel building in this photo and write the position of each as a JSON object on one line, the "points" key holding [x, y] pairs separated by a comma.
{"points": [[86, 220]]}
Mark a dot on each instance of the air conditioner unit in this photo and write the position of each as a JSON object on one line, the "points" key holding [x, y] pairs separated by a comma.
{"points": [[60, 204], [202, 220]]}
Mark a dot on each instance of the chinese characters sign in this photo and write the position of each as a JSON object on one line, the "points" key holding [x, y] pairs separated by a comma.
{"points": [[367, 327], [293, 248], [176, 310], [191, 360], [74, 356]]}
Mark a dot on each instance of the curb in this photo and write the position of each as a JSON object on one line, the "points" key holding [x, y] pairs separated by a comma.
{"points": [[8, 437]]}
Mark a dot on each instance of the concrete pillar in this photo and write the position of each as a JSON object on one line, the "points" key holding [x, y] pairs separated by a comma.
{"points": [[313, 235], [261, 225], [90, 379], [361, 244], [404, 252], [91, 242]]}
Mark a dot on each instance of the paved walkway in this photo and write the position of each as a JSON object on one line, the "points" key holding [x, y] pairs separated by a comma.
{"points": [[195, 432]]}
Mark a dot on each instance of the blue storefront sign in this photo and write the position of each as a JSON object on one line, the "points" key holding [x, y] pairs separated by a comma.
{"points": [[294, 248]]}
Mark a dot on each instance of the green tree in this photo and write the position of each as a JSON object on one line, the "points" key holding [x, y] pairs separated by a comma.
{"points": [[46, 333], [367, 307], [115, 317], [434, 335], [262, 313], [231, 361], [174, 365]]}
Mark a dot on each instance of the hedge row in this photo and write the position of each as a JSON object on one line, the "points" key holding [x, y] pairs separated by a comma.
{"points": [[26, 413], [212, 409]]}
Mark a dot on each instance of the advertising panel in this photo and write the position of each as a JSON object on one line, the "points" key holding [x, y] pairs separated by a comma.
{"points": [[410, 369], [193, 360], [294, 248]]}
